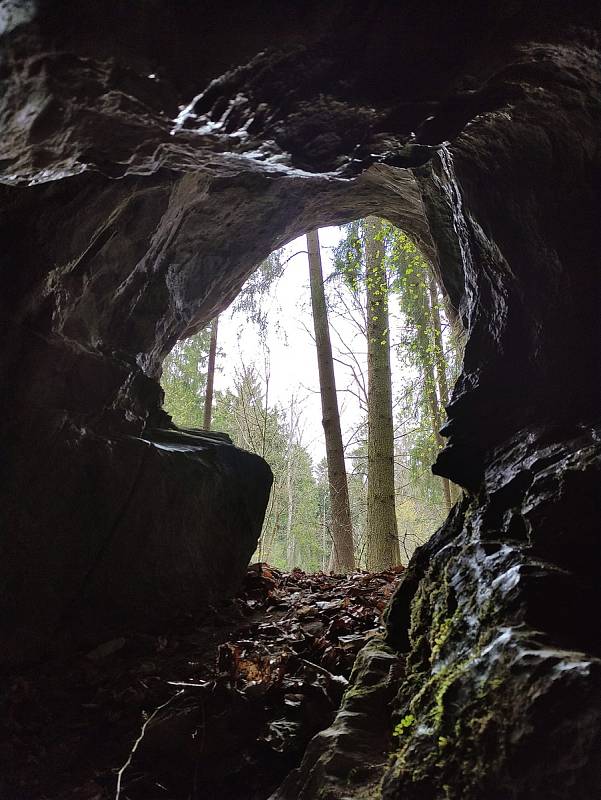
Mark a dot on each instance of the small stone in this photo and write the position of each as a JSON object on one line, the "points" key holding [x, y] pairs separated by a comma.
{"points": [[107, 649]]}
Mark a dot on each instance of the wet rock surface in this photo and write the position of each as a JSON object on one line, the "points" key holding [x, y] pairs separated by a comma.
{"points": [[227, 700], [491, 686], [494, 626], [349, 758], [497, 615]]}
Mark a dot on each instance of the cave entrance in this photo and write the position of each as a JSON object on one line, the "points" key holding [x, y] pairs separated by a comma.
{"points": [[254, 374]]}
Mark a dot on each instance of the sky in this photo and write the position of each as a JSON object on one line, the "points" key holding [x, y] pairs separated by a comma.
{"points": [[291, 352]]}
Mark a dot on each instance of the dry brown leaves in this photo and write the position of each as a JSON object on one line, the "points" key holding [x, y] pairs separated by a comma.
{"points": [[250, 687]]}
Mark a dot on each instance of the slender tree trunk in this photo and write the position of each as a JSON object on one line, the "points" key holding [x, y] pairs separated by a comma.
{"points": [[424, 322], [290, 541], [271, 529], [210, 376], [441, 375], [323, 534], [290, 469], [441, 367], [382, 534], [343, 557], [432, 397]]}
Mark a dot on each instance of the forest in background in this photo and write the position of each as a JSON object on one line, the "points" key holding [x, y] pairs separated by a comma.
{"points": [[374, 266]]}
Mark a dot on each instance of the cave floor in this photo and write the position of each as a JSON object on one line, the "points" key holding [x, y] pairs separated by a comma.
{"points": [[221, 706]]}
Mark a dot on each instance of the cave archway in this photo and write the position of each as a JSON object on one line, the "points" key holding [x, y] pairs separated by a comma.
{"points": [[268, 398], [128, 222]]}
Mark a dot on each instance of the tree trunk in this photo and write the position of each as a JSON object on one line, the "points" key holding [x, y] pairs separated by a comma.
{"points": [[432, 397], [210, 376], [441, 375], [343, 557], [426, 337], [270, 527], [324, 540], [290, 539], [290, 470], [382, 535]]}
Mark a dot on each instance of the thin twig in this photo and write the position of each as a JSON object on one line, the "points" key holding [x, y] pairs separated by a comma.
{"points": [[139, 739], [334, 678]]}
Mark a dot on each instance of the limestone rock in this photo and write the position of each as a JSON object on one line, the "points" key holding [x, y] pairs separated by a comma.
{"points": [[348, 758], [498, 617]]}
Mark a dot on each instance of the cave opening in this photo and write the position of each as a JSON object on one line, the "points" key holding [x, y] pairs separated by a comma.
{"points": [[254, 374], [303, 627]]}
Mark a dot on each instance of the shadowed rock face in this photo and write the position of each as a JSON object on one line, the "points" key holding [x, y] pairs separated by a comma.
{"points": [[151, 157]]}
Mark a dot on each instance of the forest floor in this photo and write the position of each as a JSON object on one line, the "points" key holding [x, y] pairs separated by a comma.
{"points": [[217, 708]]}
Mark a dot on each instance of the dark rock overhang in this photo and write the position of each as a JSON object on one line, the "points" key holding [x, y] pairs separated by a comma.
{"points": [[129, 221]]}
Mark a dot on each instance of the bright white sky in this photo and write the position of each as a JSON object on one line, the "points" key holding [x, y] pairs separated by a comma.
{"points": [[292, 358]]}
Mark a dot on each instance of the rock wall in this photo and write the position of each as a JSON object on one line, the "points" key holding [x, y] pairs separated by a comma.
{"points": [[151, 158], [496, 688], [502, 687]]}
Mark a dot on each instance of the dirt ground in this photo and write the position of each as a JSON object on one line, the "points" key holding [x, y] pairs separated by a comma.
{"points": [[221, 706]]}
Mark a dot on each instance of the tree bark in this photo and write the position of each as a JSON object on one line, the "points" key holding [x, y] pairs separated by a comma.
{"points": [[432, 397], [441, 375], [343, 557], [423, 319], [210, 376], [290, 540], [382, 534], [290, 469], [324, 540]]}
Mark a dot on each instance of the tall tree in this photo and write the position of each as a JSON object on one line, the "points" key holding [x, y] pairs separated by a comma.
{"points": [[184, 379], [291, 533], [244, 413], [323, 501], [292, 453], [210, 376], [343, 557], [451, 491], [419, 302], [441, 367], [382, 533]]}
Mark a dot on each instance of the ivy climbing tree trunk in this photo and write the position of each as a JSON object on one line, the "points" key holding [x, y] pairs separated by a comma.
{"points": [[210, 376], [427, 346], [382, 534], [451, 492], [343, 557], [436, 416]]}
